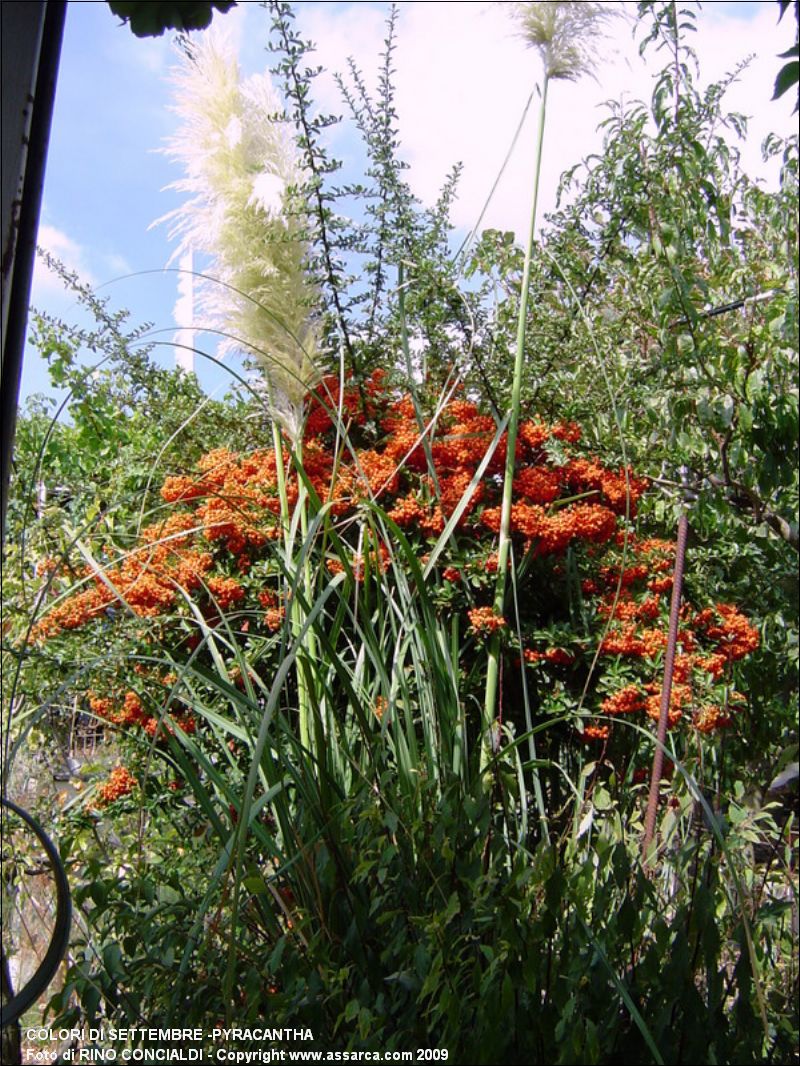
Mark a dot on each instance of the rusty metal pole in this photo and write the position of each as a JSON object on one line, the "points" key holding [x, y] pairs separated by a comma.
{"points": [[669, 666]]}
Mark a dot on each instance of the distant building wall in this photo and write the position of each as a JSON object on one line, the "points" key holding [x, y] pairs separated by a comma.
{"points": [[184, 314]]}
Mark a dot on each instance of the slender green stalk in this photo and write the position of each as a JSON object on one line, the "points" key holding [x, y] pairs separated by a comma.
{"points": [[309, 651], [504, 544], [280, 478], [287, 525], [537, 783]]}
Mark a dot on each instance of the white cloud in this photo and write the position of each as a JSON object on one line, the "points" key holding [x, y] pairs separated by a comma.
{"points": [[724, 41], [116, 265], [75, 257], [46, 283], [462, 79]]}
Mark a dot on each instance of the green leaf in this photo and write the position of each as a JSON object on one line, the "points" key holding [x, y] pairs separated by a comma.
{"points": [[112, 960], [149, 19], [507, 999], [787, 77], [452, 909]]}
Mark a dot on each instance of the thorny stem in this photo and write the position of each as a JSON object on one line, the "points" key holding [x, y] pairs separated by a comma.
{"points": [[299, 94]]}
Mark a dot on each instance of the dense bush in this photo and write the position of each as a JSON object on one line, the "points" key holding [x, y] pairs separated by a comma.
{"points": [[318, 811]]}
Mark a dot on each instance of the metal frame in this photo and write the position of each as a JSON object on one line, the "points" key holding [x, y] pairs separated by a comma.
{"points": [[11, 1011]]}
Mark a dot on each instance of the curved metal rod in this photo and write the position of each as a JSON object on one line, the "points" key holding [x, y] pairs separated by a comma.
{"points": [[19, 1003]]}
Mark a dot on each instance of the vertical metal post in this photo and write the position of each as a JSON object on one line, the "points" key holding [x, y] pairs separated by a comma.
{"points": [[669, 667], [31, 46], [18, 255]]}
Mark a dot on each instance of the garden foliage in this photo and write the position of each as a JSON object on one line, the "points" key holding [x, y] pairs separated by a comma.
{"points": [[284, 628]]}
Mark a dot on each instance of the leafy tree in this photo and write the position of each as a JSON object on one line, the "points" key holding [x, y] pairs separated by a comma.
{"points": [[665, 312], [789, 74], [149, 19]]}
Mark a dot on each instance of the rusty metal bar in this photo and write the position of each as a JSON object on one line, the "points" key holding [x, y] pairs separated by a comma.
{"points": [[669, 667]]}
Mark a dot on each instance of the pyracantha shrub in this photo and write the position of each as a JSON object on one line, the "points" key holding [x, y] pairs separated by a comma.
{"points": [[585, 630]]}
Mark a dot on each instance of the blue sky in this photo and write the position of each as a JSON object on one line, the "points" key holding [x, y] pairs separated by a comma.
{"points": [[462, 81]]}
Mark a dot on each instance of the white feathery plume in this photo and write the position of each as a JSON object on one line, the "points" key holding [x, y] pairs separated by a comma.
{"points": [[565, 33], [239, 164]]}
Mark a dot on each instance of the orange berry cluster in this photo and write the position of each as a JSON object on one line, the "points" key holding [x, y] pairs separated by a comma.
{"points": [[728, 628], [709, 641], [710, 717], [131, 713], [557, 656], [121, 782], [596, 732], [146, 579], [232, 501], [222, 517], [483, 620], [627, 700]]}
